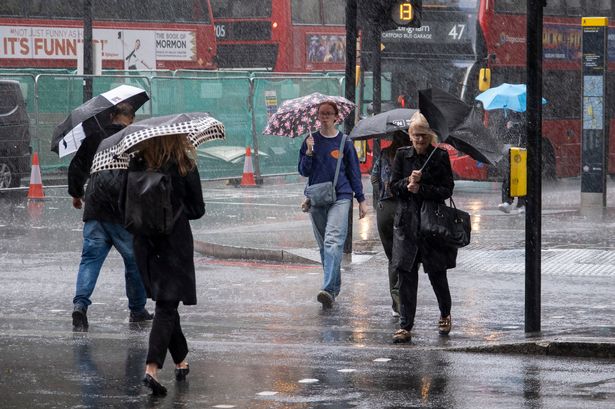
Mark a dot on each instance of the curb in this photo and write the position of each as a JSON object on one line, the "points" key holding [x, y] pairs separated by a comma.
{"points": [[247, 253], [580, 349]]}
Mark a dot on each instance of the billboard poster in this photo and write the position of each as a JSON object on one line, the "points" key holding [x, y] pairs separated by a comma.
{"points": [[326, 48], [140, 49]]}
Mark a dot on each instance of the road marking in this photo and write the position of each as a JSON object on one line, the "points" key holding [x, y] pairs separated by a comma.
{"points": [[308, 380]]}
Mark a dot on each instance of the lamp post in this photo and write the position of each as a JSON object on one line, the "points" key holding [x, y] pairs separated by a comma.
{"points": [[88, 63]]}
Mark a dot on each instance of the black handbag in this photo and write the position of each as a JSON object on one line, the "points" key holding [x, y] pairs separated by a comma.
{"points": [[445, 224]]}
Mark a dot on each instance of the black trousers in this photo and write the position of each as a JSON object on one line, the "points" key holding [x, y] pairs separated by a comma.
{"points": [[385, 215], [408, 286], [166, 334]]}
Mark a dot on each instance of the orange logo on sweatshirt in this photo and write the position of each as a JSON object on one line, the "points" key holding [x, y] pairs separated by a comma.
{"points": [[335, 154]]}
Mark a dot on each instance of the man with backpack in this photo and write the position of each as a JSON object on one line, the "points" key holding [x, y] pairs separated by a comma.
{"points": [[104, 225]]}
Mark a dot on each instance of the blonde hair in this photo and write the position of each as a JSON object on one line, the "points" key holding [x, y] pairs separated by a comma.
{"points": [[420, 125], [159, 150]]}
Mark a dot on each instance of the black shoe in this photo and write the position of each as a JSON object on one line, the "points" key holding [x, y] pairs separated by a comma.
{"points": [[326, 299], [154, 385], [180, 373], [80, 318], [141, 316]]}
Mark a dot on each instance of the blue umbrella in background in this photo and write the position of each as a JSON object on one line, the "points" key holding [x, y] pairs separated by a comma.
{"points": [[505, 96]]}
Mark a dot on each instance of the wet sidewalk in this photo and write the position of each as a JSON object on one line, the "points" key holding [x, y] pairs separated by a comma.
{"points": [[578, 246]]}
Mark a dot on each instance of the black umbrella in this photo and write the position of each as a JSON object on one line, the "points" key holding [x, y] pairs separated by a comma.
{"points": [[68, 135], [198, 127], [459, 125], [382, 124]]}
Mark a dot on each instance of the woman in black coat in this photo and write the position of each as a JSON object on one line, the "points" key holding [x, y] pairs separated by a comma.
{"points": [[166, 263], [412, 185]]}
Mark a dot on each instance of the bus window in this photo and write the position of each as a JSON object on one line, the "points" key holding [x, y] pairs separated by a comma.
{"points": [[11, 8], [306, 11], [153, 10], [55, 8], [562, 90], [598, 7], [334, 12], [241, 8], [511, 6], [573, 7], [555, 8]]}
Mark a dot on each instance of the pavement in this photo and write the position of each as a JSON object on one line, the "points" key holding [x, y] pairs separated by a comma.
{"points": [[576, 242]]}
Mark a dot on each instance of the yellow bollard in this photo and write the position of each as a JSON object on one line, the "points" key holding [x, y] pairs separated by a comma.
{"points": [[518, 172]]}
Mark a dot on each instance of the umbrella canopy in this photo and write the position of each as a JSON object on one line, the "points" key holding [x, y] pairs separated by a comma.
{"points": [[67, 136], [198, 127], [298, 116], [459, 125], [382, 124], [505, 96]]}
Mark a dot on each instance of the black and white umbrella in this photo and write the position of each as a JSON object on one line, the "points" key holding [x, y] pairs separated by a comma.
{"points": [[68, 135], [114, 151]]}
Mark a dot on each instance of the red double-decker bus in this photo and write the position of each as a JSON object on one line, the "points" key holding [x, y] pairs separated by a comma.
{"points": [[281, 35], [141, 35], [502, 29]]}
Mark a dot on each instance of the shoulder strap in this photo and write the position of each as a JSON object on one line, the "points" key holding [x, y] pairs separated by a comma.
{"points": [[339, 159]]}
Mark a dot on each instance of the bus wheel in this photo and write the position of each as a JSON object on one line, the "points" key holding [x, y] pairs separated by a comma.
{"points": [[548, 161]]}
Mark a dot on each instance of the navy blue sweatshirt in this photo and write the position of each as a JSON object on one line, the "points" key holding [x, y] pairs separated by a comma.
{"points": [[320, 167]]}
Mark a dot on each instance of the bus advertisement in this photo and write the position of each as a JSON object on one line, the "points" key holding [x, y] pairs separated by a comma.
{"points": [[49, 34]]}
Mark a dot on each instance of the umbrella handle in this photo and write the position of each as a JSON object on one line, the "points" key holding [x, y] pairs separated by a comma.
{"points": [[428, 158]]}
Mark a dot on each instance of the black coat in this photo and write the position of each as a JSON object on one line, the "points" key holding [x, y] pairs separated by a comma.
{"points": [[103, 190], [166, 263], [437, 185]]}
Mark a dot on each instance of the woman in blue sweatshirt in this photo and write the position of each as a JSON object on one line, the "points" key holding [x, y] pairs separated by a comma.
{"points": [[318, 161]]}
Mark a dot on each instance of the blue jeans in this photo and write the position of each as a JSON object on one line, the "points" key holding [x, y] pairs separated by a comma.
{"points": [[98, 237], [330, 226]]}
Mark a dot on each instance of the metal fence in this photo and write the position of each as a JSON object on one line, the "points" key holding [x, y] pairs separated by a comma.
{"points": [[240, 99]]}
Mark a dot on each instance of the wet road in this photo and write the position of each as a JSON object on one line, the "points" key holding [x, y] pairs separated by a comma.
{"points": [[258, 339]]}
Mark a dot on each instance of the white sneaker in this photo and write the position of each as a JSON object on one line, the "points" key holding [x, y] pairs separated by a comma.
{"points": [[504, 207], [521, 209]]}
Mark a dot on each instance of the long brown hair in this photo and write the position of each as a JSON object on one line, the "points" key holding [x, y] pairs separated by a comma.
{"points": [[400, 139], [159, 150]]}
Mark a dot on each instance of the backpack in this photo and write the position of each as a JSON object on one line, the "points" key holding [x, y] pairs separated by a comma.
{"points": [[147, 208]]}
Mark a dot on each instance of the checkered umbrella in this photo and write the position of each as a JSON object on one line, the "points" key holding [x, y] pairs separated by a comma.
{"points": [[114, 152], [298, 116]]}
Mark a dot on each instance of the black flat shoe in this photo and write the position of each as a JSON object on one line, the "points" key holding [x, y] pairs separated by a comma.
{"points": [[180, 373], [154, 385]]}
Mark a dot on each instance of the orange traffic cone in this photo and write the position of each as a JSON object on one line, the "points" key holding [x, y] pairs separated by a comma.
{"points": [[35, 191], [247, 179]]}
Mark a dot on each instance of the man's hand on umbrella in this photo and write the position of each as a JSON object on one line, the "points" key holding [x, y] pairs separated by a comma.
{"points": [[362, 209], [309, 142], [77, 203]]}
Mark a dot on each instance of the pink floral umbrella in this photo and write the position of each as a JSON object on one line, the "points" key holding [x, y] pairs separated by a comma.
{"points": [[296, 117]]}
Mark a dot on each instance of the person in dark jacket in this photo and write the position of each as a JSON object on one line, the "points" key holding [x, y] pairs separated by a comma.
{"points": [[416, 178], [385, 209], [166, 262], [103, 226], [318, 161]]}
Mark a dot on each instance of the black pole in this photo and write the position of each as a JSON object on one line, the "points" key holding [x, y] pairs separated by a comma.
{"points": [[377, 82], [533, 220], [351, 58], [88, 63], [350, 91]]}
